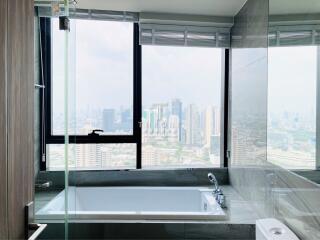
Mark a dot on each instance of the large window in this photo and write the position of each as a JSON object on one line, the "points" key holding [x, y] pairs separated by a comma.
{"points": [[292, 106], [103, 96], [181, 106], [156, 106], [104, 77]]}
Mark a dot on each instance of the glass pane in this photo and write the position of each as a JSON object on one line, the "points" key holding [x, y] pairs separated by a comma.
{"points": [[92, 156], [48, 188], [292, 106], [58, 77], [181, 107], [104, 78]]}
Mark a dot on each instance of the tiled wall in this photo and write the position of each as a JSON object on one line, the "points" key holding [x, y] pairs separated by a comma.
{"points": [[178, 177], [272, 191]]}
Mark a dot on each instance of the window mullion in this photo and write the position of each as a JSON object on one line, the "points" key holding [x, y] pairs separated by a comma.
{"points": [[137, 101]]}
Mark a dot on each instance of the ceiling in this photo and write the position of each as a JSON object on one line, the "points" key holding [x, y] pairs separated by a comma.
{"points": [[196, 7], [282, 7]]}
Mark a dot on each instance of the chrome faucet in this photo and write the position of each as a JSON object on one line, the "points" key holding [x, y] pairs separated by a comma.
{"points": [[213, 180], [217, 192]]}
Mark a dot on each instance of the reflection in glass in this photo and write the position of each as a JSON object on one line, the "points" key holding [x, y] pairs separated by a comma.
{"points": [[292, 106]]}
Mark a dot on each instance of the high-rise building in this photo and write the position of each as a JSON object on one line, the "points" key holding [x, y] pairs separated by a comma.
{"points": [[215, 145], [193, 133], [176, 109], [88, 155], [108, 120], [217, 121], [106, 160], [173, 128], [159, 118], [240, 152], [212, 124], [126, 120], [149, 156]]}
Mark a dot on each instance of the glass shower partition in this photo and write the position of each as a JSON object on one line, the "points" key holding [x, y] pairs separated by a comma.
{"points": [[69, 29], [54, 114]]}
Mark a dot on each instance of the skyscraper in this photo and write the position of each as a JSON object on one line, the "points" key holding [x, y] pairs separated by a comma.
{"points": [[176, 109], [216, 118], [212, 124], [126, 120], [215, 145], [88, 155], [160, 112], [108, 120], [173, 127], [193, 133]]}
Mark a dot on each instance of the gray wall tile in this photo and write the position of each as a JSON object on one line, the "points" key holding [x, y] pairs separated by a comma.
{"points": [[180, 177], [271, 190]]}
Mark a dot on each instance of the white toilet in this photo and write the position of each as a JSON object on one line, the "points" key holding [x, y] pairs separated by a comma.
{"points": [[273, 229]]}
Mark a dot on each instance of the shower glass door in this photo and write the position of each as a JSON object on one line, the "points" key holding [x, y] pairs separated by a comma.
{"points": [[69, 108], [55, 114]]}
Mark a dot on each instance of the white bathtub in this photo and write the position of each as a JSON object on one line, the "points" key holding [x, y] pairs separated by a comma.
{"points": [[134, 203]]}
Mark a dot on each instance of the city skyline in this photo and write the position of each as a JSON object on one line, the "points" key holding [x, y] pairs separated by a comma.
{"points": [[169, 136]]}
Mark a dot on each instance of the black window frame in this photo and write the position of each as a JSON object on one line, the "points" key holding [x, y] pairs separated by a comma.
{"points": [[136, 137]]}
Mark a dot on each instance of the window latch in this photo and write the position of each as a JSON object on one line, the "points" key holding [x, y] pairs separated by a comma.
{"points": [[228, 153], [64, 23], [95, 133]]}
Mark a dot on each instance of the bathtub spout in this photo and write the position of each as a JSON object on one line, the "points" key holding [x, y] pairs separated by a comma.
{"points": [[214, 181], [217, 192]]}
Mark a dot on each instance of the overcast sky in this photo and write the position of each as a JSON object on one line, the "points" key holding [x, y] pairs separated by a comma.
{"points": [[292, 79], [104, 68], [102, 75]]}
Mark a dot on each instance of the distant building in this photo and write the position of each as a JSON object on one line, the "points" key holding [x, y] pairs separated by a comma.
{"points": [[176, 109], [242, 149], [215, 145], [108, 120], [149, 156], [193, 133], [155, 121], [88, 155], [160, 115], [106, 157], [183, 135], [126, 120], [173, 128], [212, 124]]}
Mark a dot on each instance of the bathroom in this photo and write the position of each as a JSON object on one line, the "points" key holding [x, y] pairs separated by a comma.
{"points": [[172, 119]]}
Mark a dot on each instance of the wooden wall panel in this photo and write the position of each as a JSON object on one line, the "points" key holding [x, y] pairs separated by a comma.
{"points": [[20, 90], [3, 122]]}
